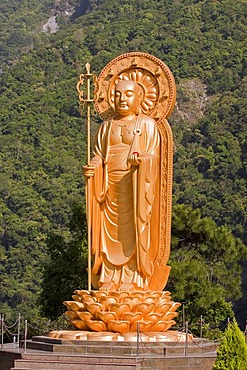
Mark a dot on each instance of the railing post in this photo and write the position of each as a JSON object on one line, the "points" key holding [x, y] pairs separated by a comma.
{"points": [[25, 338], [245, 332], [138, 340], [186, 339], [201, 329], [183, 316], [2, 329], [18, 330]]}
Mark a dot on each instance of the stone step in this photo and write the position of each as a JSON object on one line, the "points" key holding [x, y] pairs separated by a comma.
{"points": [[182, 363], [38, 345], [39, 357], [28, 368], [84, 364], [43, 338]]}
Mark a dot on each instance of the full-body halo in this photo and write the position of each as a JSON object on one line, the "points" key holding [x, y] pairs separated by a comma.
{"points": [[132, 205]]}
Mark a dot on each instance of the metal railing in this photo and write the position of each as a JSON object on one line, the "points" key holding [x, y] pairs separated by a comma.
{"points": [[14, 335]]}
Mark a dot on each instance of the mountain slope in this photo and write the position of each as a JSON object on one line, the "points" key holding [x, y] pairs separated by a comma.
{"points": [[42, 142]]}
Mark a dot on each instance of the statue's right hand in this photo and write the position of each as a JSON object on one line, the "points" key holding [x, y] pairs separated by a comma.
{"points": [[88, 171]]}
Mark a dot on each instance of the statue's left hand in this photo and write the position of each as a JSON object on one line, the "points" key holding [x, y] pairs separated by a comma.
{"points": [[88, 171], [134, 159]]}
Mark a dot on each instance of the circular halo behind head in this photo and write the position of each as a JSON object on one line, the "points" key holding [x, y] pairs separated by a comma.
{"points": [[157, 85]]}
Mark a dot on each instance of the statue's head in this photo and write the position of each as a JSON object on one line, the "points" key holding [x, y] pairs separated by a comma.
{"points": [[127, 98]]}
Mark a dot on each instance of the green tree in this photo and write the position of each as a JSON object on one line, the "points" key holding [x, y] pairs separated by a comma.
{"points": [[65, 269], [232, 352], [205, 273]]}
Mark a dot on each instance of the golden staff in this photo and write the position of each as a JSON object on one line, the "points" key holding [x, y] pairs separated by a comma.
{"points": [[88, 100]]}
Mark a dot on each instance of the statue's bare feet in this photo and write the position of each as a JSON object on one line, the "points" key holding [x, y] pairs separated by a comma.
{"points": [[126, 287], [107, 286]]}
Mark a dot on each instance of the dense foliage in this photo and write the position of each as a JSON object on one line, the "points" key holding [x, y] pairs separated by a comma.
{"points": [[42, 142], [65, 269], [232, 353], [205, 274]]}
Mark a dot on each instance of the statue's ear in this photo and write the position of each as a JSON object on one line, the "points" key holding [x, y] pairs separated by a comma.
{"points": [[141, 92]]}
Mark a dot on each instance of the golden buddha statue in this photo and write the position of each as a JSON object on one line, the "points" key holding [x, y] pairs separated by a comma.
{"points": [[129, 157], [125, 194], [129, 197]]}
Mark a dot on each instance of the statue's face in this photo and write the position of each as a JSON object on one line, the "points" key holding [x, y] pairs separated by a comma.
{"points": [[126, 98]]}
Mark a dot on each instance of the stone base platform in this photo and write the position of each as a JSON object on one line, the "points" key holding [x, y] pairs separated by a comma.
{"points": [[150, 337], [173, 345], [48, 353]]}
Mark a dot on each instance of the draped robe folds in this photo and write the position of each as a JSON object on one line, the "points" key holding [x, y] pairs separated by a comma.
{"points": [[125, 203]]}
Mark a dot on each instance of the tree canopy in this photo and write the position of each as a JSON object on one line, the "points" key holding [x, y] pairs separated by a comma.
{"points": [[205, 271], [232, 353]]}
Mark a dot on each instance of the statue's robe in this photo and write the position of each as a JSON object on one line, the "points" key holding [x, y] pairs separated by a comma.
{"points": [[125, 202]]}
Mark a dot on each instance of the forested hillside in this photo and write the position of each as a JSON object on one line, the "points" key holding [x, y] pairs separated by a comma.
{"points": [[44, 47]]}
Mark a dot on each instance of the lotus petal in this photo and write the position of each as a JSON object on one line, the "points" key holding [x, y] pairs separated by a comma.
{"points": [[131, 301], [79, 324], [82, 292], [71, 314], [84, 315], [149, 300], [88, 299], [98, 294], [161, 326], [143, 326], [162, 307], [153, 317], [170, 315], [93, 307], [119, 308], [118, 326], [145, 308], [155, 294], [107, 316], [120, 295], [106, 301], [175, 305], [138, 294], [76, 298], [74, 306], [96, 325], [132, 317], [166, 296]]}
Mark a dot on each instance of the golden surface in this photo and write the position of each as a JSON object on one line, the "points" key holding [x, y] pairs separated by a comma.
{"points": [[129, 197], [168, 336], [152, 74], [122, 312], [129, 178]]}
